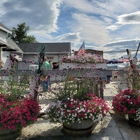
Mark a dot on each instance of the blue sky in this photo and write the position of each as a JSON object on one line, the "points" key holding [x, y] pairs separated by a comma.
{"points": [[108, 25]]}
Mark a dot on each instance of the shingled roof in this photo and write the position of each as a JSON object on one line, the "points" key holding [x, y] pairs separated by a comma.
{"points": [[64, 47]]}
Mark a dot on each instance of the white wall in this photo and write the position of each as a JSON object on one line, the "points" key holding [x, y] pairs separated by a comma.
{"points": [[5, 56], [22, 66], [3, 36]]}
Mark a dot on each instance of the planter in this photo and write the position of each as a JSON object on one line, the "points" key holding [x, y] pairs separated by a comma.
{"points": [[9, 134], [132, 121], [119, 114], [78, 129], [81, 65]]}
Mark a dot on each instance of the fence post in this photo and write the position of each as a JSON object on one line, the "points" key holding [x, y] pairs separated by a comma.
{"points": [[101, 88]]}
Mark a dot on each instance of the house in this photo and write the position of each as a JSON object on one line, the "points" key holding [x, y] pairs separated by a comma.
{"points": [[8, 48], [53, 51]]}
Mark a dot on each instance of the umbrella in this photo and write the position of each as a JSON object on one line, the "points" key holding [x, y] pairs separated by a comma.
{"points": [[113, 61], [124, 60]]}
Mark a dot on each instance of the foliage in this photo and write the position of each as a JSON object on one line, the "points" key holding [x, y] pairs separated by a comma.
{"points": [[17, 107], [74, 110], [86, 58], [134, 79], [20, 34], [75, 85], [17, 114], [127, 102], [14, 84]]}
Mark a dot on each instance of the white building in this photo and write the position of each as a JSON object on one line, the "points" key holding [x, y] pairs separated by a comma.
{"points": [[7, 47], [53, 51]]}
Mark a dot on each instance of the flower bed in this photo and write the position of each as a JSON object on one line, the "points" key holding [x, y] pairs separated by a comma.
{"points": [[73, 110], [83, 61], [86, 58]]}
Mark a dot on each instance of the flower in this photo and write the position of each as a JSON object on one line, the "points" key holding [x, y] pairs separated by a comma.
{"points": [[86, 58], [127, 102], [17, 108], [74, 110], [17, 114]]}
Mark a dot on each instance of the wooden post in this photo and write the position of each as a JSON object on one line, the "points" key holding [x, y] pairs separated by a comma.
{"points": [[101, 89]]}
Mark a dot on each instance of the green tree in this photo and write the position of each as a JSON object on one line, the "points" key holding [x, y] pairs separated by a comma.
{"points": [[19, 34]]}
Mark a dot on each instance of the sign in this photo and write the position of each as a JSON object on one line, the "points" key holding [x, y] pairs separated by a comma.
{"points": [[50, 57], [115, 76]]}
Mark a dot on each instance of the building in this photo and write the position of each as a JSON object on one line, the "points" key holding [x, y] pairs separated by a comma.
{"points": [[92, 52], [53, 51], [8, 48]]}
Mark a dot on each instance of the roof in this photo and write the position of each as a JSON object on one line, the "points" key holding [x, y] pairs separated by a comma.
{"points": [[4, 28], [10, 45], [63, 47]]}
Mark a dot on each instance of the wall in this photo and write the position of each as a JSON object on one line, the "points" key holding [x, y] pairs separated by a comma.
{"points": [[5, 56], [3, 36], [54, 58]]}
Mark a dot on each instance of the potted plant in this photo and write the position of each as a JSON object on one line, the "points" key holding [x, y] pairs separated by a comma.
{"points": [[14, 115], [17, 108], [127, 102], [76, 106], [78, 114]]}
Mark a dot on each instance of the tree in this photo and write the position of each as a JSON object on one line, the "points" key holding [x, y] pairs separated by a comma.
{"points": [[19, 34]]}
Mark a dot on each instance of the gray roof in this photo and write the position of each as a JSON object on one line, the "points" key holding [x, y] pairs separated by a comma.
{"points": [[4, 27], [63, 47]]}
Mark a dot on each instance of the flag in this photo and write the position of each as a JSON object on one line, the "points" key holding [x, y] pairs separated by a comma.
{"points": [[81, 51]]}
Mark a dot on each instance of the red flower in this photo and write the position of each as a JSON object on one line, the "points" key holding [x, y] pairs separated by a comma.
{"points": [[15, 114]]}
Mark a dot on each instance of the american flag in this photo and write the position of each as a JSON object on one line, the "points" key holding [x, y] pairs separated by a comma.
{"points": [[81, 51]]}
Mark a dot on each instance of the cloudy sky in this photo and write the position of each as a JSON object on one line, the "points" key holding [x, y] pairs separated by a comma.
{"points": [[108, 25]]}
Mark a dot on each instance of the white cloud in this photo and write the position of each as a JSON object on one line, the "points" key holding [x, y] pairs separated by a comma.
{"points": [[69, 37], [132, 18], [91, 29], [113, 27], [80, 5], [39, 15]]}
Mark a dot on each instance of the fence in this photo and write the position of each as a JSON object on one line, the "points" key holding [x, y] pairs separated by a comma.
{"points": [[58, 76]]}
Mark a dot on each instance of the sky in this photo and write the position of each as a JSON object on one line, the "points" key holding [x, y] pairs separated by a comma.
{"points": [[109, 25]]}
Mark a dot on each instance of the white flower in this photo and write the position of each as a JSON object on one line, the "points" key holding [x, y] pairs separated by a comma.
{"points": [[104, 111], [100, 117], [91, 114]]}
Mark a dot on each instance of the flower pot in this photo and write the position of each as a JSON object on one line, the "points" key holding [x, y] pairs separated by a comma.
{"points": [[9, 134], [132, 121], [84, 65], [78, 129], [119, 114]]}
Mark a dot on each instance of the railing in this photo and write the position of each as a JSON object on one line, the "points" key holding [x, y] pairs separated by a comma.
{"points": [[97, 88]]}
